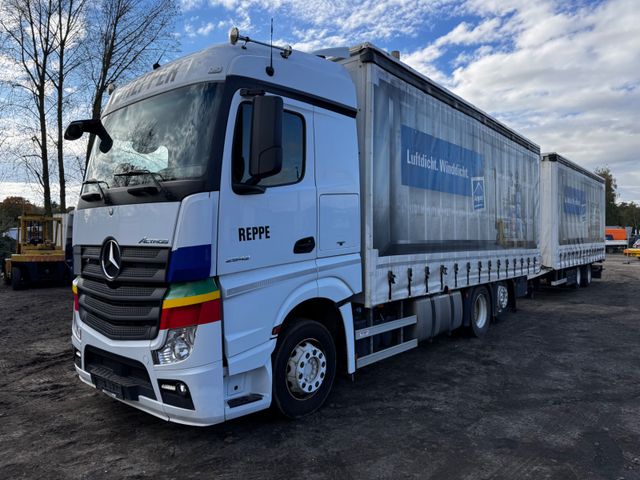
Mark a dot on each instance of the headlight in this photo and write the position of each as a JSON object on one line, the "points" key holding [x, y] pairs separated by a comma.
{"points": [[75, 326], [177, 347]]}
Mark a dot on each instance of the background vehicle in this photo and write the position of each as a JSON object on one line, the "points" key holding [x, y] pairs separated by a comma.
{"points": [[40, 255], [615, 239]]}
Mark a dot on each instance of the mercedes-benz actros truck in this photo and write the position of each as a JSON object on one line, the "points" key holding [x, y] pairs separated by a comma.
{"points": [[256, 220]]}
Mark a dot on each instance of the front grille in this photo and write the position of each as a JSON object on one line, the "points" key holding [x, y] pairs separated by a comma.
{"points": [[139, 264], [129, 307]]}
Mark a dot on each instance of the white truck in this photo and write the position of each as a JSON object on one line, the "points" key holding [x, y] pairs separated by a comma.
{"points": [[572, 212], [248, 227]]}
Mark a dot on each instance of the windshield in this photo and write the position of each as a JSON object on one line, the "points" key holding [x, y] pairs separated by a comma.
{"points": [[169, 135]]}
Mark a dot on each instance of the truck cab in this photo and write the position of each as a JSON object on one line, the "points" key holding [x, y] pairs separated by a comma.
{"points": [[217, 241]]}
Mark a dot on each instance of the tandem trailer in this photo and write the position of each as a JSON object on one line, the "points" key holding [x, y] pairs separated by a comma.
{"points": [[572, 216], [253, 224]]}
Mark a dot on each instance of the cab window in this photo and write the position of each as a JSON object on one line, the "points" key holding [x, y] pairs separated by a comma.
{"points": [[293, 151]]}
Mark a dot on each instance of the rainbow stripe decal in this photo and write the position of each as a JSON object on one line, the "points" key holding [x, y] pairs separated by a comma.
{"points": [[191, 303]]}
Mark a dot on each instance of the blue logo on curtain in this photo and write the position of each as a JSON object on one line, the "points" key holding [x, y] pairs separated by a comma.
{"points": [[431, 163], [575, 201], [477, 187]]}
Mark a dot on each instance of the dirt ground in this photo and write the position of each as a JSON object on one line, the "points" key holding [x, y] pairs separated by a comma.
{"points": [[553, 391]]}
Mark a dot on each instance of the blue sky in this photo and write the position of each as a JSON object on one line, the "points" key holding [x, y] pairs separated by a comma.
{"points": [[566, 74]]}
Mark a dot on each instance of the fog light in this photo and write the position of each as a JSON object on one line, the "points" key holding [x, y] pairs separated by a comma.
{"points": [[182, 389], [177, 347]]}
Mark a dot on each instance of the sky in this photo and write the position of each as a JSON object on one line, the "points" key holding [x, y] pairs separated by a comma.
{"points": [[566, 74]]}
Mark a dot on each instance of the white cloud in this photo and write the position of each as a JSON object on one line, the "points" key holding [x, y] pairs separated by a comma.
{"points": [[187, 5], [205, 30], [341, 22]]}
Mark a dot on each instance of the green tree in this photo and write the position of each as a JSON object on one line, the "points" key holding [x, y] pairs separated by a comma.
{"points": [[612, 215], [629, 215]]}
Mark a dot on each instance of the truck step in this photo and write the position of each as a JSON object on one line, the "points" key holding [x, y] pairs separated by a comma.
{"points": [[558, 282], [386, 353], [385, 327], [237, 402], [402, 342]]}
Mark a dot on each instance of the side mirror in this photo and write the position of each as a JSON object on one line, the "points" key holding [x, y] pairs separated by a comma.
{"points": [[266, 137], [76, 128]]}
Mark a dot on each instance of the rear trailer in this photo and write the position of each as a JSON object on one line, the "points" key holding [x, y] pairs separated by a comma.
{"points": [[449, 196], [572, 212]]}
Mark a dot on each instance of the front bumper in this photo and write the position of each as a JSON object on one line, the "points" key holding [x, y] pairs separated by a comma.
{"points": [[201, 372]]}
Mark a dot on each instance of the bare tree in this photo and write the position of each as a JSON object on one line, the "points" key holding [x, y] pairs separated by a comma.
{"points": [[69, 16], [28, 27], [130, 36]]}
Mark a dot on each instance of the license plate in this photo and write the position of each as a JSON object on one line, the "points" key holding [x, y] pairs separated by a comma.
{"points": [[110, 388]]}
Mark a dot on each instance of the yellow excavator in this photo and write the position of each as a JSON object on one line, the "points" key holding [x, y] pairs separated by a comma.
{"points": [[40, 253]]}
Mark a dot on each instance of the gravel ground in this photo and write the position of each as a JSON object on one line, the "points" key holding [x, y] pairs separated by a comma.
{"points": [[553, 391]]}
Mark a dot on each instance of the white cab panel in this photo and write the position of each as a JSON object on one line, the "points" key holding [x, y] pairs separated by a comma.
{"points": [[254, 302], [337, 179], [339, 221], [198, 224], [128, 224]]}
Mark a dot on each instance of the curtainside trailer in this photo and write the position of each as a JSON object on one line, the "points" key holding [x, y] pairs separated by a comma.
{"points": [[250, 224], [572, 216]]}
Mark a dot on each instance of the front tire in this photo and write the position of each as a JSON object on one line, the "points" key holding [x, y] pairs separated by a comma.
{"points": [[479, 311], [304, 366]]}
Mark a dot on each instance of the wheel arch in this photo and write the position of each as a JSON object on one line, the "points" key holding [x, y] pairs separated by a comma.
{"points": [[330, 307], [327, 312]]}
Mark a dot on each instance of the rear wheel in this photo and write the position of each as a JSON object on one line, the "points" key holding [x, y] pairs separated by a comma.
{"points": [[502, 297], [304, 366], [479, 311], [578, 283], [16, 279], [586, 276]]}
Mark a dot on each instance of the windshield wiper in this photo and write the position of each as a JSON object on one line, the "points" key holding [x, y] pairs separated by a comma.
{"points": [[93, 196], [146, 189]]}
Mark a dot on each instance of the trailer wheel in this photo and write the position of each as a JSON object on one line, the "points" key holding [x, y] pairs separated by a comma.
{"points": [[479, 311], [304, 366], [16, 279], [585, 276], [578, 282], [502, 297]]}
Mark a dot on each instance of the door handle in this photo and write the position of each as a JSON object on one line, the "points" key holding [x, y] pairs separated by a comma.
{"points": [[304, 245]]}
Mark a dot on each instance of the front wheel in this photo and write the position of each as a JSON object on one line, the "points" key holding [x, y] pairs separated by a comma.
{"points": [[304, 366]]}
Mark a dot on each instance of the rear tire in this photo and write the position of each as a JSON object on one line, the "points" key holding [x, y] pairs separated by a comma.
{"points": [[502, 298], [479, 311], [578, 282], [304, 366], [586, 276]]}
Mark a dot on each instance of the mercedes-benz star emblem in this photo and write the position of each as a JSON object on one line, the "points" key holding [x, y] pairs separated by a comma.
{"points": [[110, 259]]}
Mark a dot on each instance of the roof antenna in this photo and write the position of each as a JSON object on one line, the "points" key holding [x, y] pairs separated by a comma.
{"points": [[157, 64], [270, 67]]}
